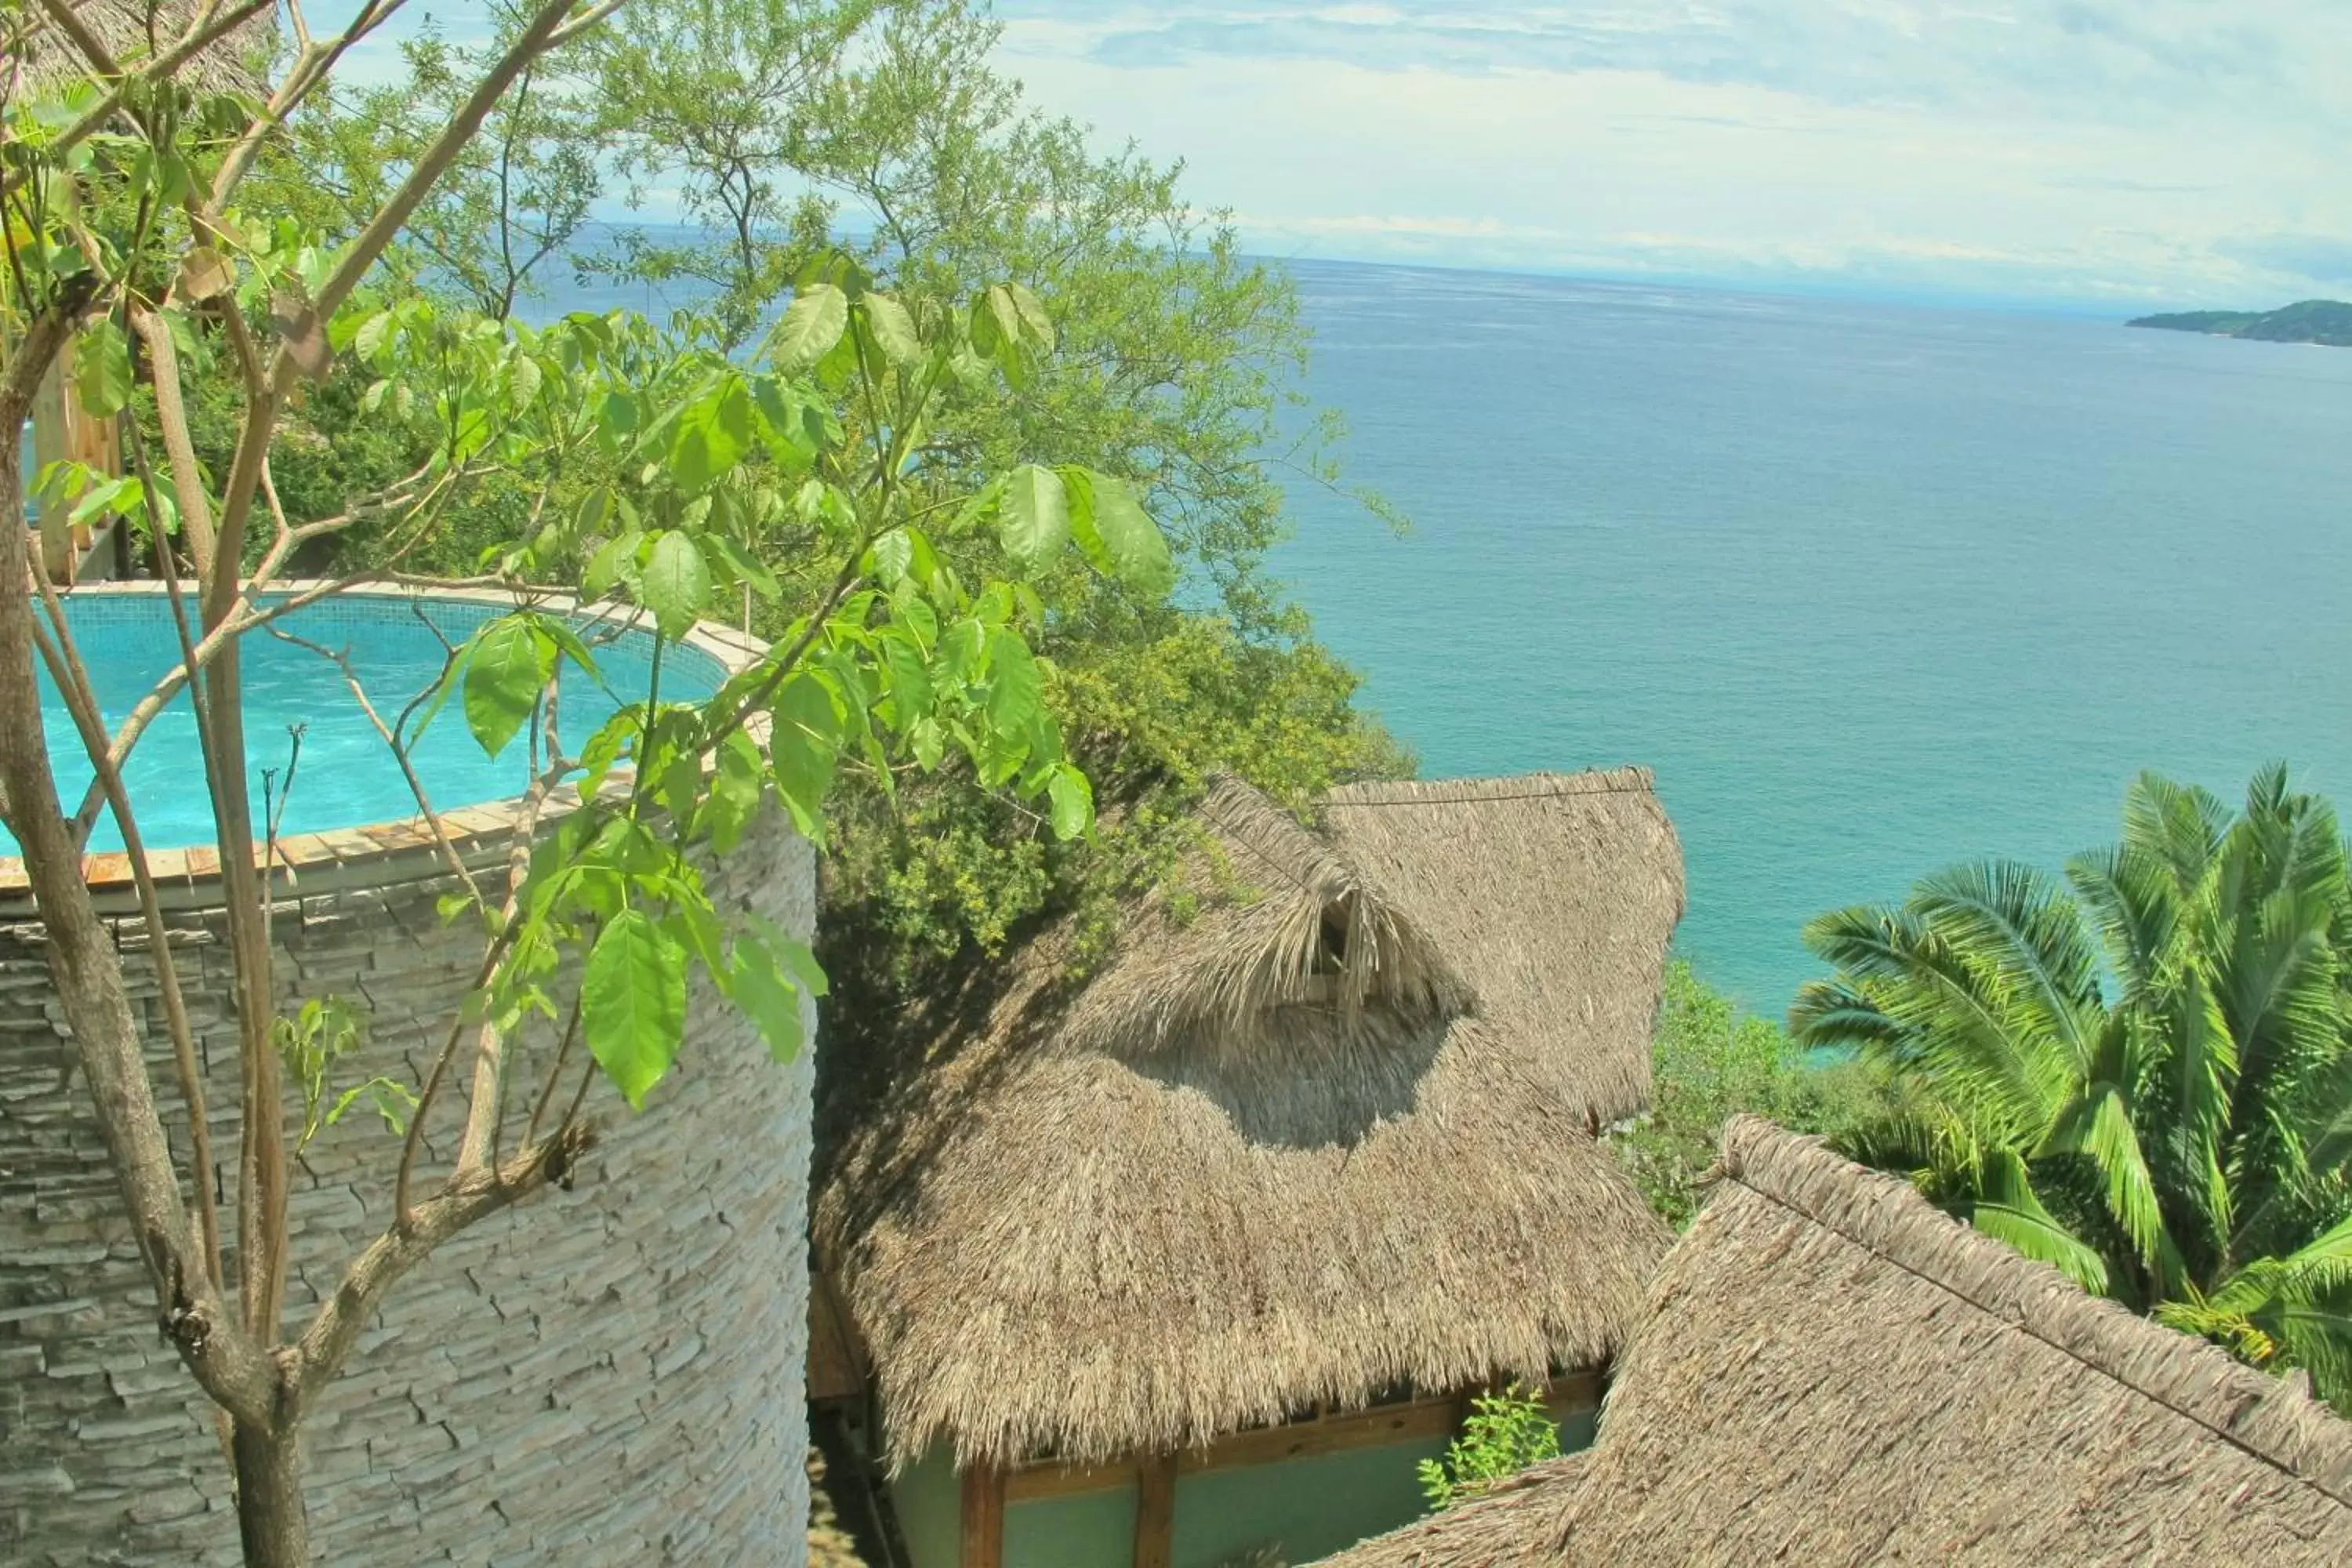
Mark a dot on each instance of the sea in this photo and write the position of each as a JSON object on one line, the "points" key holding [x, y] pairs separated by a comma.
{"points": [[1874, 589]]}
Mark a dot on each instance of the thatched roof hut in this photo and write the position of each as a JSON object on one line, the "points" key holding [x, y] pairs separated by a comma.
{"points": [[135, 31], [1322, 1127], [1833, 1371]]}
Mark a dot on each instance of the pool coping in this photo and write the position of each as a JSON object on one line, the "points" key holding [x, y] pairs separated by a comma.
{"points": [[372, 853]]}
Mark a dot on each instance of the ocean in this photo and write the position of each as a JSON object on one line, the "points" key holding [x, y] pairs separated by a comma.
{"points": [[1873, 589]]}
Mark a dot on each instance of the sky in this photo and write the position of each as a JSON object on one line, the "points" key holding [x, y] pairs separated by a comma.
{"points": [[2140, 152]]}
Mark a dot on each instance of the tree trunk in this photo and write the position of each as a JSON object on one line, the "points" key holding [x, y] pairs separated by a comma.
{"points": [[270, 1520]]}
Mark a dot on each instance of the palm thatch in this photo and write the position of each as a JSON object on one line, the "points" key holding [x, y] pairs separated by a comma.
{"points": [[1833, 1371], [136, 31], [1297, 1144], [1514, 1522]]}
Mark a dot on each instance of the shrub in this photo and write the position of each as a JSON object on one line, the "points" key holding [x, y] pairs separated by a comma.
{"points": [[1710, 1061], [1506, 1432]]}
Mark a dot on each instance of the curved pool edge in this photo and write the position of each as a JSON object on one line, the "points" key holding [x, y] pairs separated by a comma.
{"points": [[397, 849]]}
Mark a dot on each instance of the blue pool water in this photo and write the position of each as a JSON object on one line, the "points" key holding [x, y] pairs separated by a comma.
{"points": [[1873, 589], [346, 775]]}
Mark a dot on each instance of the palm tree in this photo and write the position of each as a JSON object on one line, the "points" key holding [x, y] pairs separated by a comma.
{"points": [[2147, 1082]]}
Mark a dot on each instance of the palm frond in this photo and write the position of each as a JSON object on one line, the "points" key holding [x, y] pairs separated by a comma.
{"points": [[2203, 1058], [2180, 827], [2127, 896], [2009, 1210], [2099, 1126], [1949, 1028], [2011, 924]]}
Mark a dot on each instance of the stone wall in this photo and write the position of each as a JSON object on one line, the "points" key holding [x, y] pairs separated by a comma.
{"points": [[610, 1376]]}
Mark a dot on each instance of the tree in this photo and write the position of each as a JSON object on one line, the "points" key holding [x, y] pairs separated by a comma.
{"points": [[652, 466], [1174, 372], [1709, 1062], [2148, 1083], [500, 219], [723, 97]]}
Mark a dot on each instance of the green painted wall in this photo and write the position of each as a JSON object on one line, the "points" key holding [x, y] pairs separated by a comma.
{"points": [[928, 1502], [1311, 1507], [1092, 1529]]}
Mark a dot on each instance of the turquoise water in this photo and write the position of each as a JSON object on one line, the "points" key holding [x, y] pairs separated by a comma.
{"points": [[345, 774], [1873, 589]]}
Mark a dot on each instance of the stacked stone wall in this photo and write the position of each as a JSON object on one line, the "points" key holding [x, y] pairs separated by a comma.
{"points": [[608, 1376]]}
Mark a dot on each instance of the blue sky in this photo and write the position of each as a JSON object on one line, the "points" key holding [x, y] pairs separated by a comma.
{"points": [[2122, 152]]}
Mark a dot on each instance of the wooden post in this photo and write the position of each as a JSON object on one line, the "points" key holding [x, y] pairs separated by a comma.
{"points": [[1155, 1511], [983, 1517]]}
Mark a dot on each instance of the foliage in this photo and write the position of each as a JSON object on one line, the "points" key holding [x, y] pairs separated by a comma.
{"points": [[885, 128], [2328, 321], [321, 1032], [499, 222], [1505, 1434], [646, 466], [2146, 1081], [722, 101], [1710, 1061]]}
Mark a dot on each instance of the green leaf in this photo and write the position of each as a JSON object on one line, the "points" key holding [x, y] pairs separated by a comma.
{"points": [[615, 562], [1017, 694], [757, 982], [102, 369], [810, 327], [743, 564], [804, 743], [675, 584], [633, 1002], [1033, 516], [798, 960], [893, 329], [1137, 551], [372, 333], [707, 443], [890, 556], [508, 666], [568, 644], [1074, 803], [1004, 318], [928, 742], [910, 679], [1030, 311], [737, 784]]}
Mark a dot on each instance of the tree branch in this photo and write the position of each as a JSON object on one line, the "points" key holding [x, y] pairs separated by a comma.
{"points": [[82, 960]]}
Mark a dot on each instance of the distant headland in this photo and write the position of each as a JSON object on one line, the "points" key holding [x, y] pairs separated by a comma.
{"points": [[2328, 321]]}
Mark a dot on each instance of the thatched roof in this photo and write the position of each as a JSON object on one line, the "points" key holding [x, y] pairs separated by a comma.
{"points": [[136, 31], [1833, 1371], [1321, 1126]]}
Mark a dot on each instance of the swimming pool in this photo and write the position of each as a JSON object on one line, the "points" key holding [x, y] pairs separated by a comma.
{"points": [[346, 775]]}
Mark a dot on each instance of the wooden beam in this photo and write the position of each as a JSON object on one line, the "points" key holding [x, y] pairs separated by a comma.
{"points": [[1382, 1423], [1372, 1428], [1044, 1480], [984, 1518], [1155, 1512]]}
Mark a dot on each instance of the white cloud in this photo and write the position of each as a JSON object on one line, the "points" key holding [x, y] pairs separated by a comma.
{"points": [[2174, 150], [2167, 149]]}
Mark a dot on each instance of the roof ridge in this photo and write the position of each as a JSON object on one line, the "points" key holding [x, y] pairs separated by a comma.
{"points": [[2260, 1415], [1252, 819], [1631, 780]]}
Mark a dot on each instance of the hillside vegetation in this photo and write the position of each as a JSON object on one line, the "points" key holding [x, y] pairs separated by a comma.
{"points": [[2328, 321]]}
